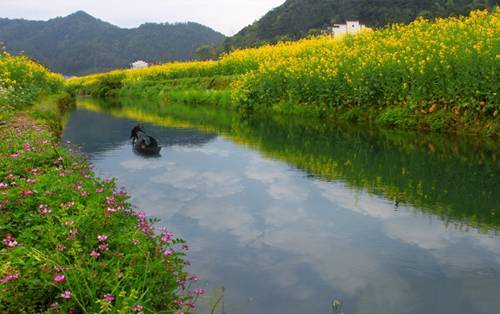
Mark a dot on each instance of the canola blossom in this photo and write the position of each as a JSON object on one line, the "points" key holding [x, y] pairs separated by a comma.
{"points": [[450, 64]]}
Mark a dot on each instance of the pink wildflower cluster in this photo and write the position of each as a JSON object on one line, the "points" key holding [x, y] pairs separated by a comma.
{"points": [[54, 306], [68, 204], [10, 241], [9, 278], [95, 254], [66, 295], [143, 224], [138, 308], [102, 247], [108, 297], [71, 234], [189, 304], [59, 278], [44, 209], [166, 236], [112, 204]]}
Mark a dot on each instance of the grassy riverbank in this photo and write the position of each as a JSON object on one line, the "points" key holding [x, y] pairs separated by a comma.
{"points": [[71, 242], [440, 76]]}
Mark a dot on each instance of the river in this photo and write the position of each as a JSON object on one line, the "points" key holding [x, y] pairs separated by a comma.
{"points": [[288, 215]]}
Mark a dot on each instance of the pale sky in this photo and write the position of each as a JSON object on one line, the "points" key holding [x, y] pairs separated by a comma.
{"points": [[225, 16]]}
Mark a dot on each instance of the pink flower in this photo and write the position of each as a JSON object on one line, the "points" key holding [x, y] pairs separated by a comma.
{"points": [[15, 155], [59, 278], [66, 295], [103, 247], [167, 253], [9, 278], [193, 278], [10, 241], [44, 209], [71, 234], [111, 210], [95, 254], [102, 237], [3, 185], [199, 291], [180, 283], [27, 192], [167, 236], [100, 190], [54, 306], [27, 147], [138, 308], [108, 297], [135, 241]]}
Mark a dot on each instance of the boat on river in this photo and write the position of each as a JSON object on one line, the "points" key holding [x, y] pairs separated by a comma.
{"points": [[143, 143], [146, 150]]}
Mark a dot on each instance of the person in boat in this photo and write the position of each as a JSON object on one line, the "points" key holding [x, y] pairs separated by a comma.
{"points": [[141, 139]]}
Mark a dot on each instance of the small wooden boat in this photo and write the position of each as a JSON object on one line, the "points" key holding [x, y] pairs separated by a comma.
{"points": [[146, 150], [143, 143]]}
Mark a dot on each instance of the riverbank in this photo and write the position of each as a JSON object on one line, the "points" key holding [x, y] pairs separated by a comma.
{"points": [[440, 76], [71, 242]]}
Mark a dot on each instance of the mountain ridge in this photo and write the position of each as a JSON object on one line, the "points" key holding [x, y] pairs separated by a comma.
{"points": [[298, 18], [79, 43]]}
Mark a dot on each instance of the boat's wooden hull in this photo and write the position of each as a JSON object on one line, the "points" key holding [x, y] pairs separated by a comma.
{"points": [[142, 149]]}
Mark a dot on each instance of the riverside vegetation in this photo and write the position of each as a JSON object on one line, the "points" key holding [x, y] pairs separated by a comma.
{"points": [[441, 75], [71, 242]]}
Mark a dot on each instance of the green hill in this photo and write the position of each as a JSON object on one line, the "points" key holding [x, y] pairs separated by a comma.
{"points": [[81, 44], [298, 18]]}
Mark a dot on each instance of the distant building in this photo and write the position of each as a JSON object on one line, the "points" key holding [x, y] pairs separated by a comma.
{"points": [[139, 64], [350, 27]]}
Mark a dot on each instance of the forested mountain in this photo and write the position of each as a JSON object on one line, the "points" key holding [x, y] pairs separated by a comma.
{"points": [[297, 18], [81, 44]]}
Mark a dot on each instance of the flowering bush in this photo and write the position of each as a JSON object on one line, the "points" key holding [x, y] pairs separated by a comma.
{"points": [[70, 242], [23, 80]]}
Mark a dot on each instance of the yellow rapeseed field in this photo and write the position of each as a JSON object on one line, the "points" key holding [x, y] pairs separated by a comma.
{"points": [[450, 63]]}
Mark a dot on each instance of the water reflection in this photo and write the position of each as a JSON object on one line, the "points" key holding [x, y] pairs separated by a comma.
{"points": [[290, 237]]}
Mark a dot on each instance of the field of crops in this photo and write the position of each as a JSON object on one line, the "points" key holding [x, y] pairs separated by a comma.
{"points": [[22, 80], [449, 68]]}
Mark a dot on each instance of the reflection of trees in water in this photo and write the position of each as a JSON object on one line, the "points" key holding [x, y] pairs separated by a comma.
{"points": [[98, 132], [454, 179]]}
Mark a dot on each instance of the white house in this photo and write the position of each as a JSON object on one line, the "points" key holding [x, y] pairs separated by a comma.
{"points": [[139, 64], [350, 27]]}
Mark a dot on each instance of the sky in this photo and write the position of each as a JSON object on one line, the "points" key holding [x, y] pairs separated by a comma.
{"points": [[225, 16]]}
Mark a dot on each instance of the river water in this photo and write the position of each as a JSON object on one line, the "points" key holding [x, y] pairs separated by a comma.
{"points": [[288, 216]]}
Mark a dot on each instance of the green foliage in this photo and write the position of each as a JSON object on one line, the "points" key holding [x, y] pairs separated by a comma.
{"points": [[400, 116], [207, 52], [81, 44], [298, 18], [71, 241], [23, 81], [107, 85]]}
